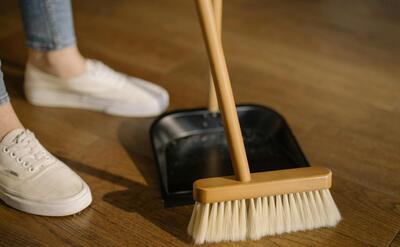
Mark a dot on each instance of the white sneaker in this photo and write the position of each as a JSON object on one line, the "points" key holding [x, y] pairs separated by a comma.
{"points": [[34, 181], [100, 88]]}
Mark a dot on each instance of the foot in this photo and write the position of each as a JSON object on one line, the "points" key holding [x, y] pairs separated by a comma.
{"points": [[99, 88], [34, 181]]}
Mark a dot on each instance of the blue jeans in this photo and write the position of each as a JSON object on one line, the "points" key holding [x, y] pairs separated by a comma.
{"points": [[48, 26], [3, 93]]}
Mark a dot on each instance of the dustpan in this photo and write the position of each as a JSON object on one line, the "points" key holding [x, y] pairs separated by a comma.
{"points": [[191, 144]]}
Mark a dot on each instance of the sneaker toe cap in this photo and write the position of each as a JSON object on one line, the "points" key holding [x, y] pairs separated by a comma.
{"points": [[58, 184], [157, 93], [141, 99]]}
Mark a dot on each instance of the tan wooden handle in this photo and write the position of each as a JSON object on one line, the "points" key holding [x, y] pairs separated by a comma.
{"points": [[224, 91], [212, 98]]}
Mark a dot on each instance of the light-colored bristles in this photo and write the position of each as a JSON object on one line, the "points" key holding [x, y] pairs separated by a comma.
{"points": [[252, 225], [331, 210], [295, 215], [220, 222], [254, 218], [212, 230], [271, 221], [279, 222], [227, 220], [235, 221], [265, 212], [308, 216], [243, 220], [190, 228], [287, 214]]}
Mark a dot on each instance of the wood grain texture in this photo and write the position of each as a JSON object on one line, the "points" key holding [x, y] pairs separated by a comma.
{"points": [[396, 241], [330, 67]]}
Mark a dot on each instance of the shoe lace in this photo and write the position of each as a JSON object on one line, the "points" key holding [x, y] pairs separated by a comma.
{"points": [[28, 152], [103, 72]]}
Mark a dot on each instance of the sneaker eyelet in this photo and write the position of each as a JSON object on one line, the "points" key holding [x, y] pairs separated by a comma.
{"points": [[25, 164], [6, 150], [13, 155], [31, 169], [19, 160]]}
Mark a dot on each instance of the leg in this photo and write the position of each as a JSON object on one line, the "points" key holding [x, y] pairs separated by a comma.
{"points": [[8, 120], [56, 189], [57, 75], [50, 36]]}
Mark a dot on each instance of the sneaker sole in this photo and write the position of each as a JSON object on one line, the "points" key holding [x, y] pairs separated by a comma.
{"points": [[52, 98], [63, 208]]}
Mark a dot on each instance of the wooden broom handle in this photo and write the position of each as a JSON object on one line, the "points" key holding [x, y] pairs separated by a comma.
{"points": [[224, 91], [212, 98]]}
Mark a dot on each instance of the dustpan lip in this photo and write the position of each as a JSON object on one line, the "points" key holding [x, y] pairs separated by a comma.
{"points": [[180, 111]]}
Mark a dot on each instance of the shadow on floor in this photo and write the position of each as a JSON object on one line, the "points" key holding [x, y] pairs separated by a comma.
{"points": [[145, 200], [134, 136]]}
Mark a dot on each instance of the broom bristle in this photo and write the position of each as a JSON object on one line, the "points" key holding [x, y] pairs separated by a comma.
{"points": [[254, 218]]}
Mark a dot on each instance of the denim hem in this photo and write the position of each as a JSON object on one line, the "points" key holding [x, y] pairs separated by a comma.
{"points": [[38, 46], [4, 99]]}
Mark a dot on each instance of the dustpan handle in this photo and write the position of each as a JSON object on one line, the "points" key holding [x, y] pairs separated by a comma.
{"points": [[212, 97], [224, 91]]}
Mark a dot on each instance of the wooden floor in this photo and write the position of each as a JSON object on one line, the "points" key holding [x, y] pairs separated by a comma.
{"points": [[332, 68]]}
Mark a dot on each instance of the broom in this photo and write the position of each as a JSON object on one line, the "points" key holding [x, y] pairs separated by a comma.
{"points": [[246, 206]]}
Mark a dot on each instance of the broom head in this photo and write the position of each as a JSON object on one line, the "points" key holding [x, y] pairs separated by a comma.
{"points": [[273, 202]]}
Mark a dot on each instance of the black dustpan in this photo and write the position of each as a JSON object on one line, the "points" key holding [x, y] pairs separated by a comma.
{"points": [[191, 144]]}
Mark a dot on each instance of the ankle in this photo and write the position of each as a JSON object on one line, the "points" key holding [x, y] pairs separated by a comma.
{"points": [[64, 63], [8, 120]]}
